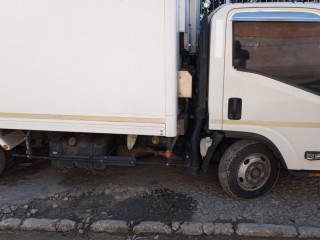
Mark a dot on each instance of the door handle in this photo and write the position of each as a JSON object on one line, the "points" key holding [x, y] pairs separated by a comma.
{"points": [[235, 108]]}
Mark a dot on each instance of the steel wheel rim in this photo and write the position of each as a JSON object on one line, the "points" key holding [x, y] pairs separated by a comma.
{"points": [[254, 172]]}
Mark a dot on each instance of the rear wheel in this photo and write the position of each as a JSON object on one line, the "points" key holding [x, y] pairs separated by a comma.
{"points": [[3, 160], [248, 169]]}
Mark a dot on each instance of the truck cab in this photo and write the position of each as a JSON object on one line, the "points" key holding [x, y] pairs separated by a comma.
{"points": [[264, 86]]}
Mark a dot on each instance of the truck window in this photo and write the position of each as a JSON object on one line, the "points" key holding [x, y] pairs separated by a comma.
{"points": [[285, 51]]}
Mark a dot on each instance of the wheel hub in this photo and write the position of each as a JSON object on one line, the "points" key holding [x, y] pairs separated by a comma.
{"points": [[254, 172]]}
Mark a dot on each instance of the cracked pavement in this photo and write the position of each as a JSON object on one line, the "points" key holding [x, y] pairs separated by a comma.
{"points": [[150, 193]]}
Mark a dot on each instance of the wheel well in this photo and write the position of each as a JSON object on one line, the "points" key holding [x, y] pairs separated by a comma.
{"points": [[232, 136]]}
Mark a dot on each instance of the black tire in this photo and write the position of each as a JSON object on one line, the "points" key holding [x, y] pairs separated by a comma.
{"points": [[248, 169], [3, 160]]}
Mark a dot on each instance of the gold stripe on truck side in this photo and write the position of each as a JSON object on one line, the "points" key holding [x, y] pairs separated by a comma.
{"points": [[82, 118], [268, 123], [271, 123]]}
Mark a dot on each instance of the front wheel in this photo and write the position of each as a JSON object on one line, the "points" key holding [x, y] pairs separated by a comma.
{"points": [[248, 169]]}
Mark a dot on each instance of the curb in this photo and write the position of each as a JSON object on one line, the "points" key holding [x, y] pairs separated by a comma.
{"points": [[266, 230], [152, 227], [110, 226]]}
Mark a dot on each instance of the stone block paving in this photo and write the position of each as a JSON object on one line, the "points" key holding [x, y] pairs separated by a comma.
{"points": [[309, 232], [10, 224], [218, 229], [150, 227], [110, 226], [266, 230], [33, 224]]}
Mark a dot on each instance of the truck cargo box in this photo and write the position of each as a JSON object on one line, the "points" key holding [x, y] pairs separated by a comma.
{"points": [[89, 66]]}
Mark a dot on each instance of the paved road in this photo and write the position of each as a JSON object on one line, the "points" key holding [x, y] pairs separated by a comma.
{"points": [[145, 193]]}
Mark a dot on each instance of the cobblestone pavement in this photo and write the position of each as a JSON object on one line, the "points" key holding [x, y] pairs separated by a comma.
{"points": [[150, 193], [92, 236]]}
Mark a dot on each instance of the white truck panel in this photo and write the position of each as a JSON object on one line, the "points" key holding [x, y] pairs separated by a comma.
{"points": [[217, 61], [171, 39], [92, 126], [89, 66]]}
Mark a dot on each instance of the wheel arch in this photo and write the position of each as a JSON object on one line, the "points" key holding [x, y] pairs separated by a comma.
{"points": [[259, 138]]}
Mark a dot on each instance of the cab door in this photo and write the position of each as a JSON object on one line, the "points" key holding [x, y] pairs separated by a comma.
{"points": [[272, 80]]}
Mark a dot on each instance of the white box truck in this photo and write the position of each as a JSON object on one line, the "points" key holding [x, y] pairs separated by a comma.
{"points": [[104, 82]]}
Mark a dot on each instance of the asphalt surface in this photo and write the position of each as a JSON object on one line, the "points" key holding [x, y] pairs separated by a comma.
{"points": [[150, 193]]}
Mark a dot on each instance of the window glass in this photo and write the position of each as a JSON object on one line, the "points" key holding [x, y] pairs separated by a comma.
{"points": [[286, 51]]}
